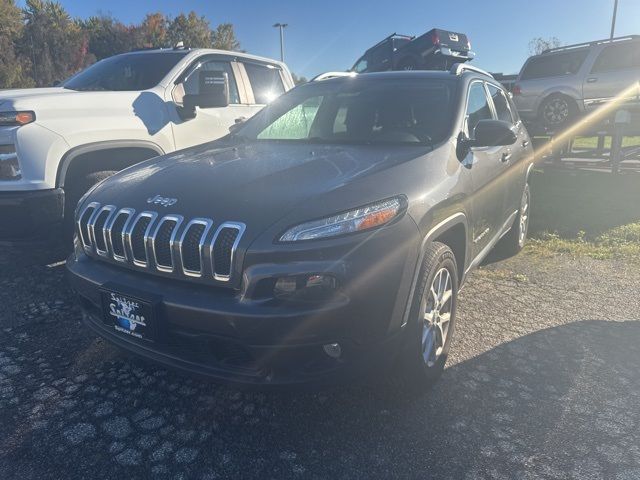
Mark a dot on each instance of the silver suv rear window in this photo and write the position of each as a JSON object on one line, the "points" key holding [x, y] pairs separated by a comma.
{"points": [[554, 65]]}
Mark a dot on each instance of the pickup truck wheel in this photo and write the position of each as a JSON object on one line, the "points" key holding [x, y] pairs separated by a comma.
{"points": [[79, 185], [557, 111], [513, 242], [432, 319]]}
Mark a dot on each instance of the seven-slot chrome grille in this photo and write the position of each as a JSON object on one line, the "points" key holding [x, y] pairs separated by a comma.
{"points": [[168, 244]]}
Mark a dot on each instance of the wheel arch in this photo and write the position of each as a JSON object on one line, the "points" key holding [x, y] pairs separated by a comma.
{"points": [[453, 231], [568, 92], [108, 155]]}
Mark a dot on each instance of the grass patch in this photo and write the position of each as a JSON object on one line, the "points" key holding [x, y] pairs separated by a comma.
{"points": [[611, 245], [592, 142], [585, 213]]}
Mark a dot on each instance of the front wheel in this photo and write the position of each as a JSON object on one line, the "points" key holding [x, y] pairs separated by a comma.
{"points": [[432, 319]]}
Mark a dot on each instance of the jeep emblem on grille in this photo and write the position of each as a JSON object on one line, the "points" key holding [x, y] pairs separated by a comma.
{"points": [[164, 201]]}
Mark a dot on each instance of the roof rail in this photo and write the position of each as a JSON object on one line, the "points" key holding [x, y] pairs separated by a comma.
{"points": [[589, 44], [328, 75], [459, 69]]}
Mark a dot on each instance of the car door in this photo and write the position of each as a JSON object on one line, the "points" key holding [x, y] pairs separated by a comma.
{"points": [[209, 123], [487, 172], [513, 156], [616, 69]]}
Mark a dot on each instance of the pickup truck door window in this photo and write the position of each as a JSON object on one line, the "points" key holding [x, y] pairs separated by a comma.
{"points": [[486, 173], [209, 123], [616, 69], [265, 81]]}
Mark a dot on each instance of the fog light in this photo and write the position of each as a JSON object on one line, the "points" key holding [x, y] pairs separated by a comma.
{"points": [[334, 350], [305, 287], [285, 286]]}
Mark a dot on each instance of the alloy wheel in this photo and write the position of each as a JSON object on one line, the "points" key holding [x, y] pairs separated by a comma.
{"points": [[436, 316], [524, 217], [556, 112]]}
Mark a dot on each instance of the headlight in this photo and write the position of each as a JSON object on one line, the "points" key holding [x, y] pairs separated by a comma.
{"points": [[357, 220], [9, 166], [16, 119]]}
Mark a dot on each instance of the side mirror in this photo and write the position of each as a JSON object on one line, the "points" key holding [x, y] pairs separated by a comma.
{"points": [[237, 124], [493, 133], [213, 92]]}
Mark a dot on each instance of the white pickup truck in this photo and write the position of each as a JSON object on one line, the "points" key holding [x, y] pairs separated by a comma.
{"points": [[55, 143]]}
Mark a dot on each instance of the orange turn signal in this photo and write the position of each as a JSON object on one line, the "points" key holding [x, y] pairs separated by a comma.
{"points": [[22, 118], [376, 219], [13, 119]]}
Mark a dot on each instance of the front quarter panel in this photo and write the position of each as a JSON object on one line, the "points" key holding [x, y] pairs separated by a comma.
{"points": [[39, 150]]}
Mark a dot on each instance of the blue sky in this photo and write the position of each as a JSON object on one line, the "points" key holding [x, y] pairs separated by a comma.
{"points": [[331, 34]]}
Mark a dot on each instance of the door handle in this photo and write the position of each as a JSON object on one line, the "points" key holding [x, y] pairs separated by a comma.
{"points": [[525, 143], [506, 156], [592, 80]]}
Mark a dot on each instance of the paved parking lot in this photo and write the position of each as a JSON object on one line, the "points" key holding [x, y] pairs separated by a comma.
{"points": [[544, 382]]}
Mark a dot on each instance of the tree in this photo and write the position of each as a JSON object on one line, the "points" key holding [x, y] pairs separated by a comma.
{"points": [[12, 68], [298, 80], [224, 38], [152, 32], [192, 30], [107, 36], [55, 43], [538, 44]]}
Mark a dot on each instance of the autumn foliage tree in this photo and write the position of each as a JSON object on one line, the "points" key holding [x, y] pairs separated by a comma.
{"points": [[192, 30], [41, 43], [12, 67], [55, 43]]}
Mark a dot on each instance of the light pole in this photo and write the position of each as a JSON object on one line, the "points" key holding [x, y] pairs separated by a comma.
{"points": [[282, 26], [613, 20]]}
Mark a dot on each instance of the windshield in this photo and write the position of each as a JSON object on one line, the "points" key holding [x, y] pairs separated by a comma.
{"points": [[130, 72], [408, 111]]}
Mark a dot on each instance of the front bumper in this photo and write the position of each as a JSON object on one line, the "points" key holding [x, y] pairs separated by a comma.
{"points": [[220, 333], [29, 215]]}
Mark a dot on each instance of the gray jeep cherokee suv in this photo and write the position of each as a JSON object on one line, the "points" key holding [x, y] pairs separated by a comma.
{"points": [[556, 86], [326, 238]]}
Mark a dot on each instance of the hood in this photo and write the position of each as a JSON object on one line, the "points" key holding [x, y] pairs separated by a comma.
{"points": [[66, 112], [255, 183], [32, 96], [47, 104]]}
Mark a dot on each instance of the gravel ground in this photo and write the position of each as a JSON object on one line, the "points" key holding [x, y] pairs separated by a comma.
{"points": [[543, 382]]}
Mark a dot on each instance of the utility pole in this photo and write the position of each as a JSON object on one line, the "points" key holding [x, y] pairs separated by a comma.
{"points": [[282, 26], [613, 20]]}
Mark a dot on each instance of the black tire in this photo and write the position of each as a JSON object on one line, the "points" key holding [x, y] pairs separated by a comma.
{"points": [[76, 187], [514, 241], [557, 112], [417, 374]]}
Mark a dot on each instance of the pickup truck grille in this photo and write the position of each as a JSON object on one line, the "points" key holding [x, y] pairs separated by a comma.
{"points": [[167, 244]]}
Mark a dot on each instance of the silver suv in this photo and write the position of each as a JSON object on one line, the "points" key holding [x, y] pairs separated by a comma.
{"points": [[559, 84]]}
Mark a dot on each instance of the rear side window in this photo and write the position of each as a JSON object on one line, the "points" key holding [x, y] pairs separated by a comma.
{"points": [[501, 103], [618, 57], [477, 107], [266, 82], [566, 63], [191, 83]]}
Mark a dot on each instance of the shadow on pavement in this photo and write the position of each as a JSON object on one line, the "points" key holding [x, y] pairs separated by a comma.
{"points": [[560, 403]]}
